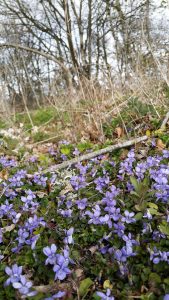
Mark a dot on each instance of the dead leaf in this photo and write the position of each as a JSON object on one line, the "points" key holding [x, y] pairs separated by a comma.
{"points": [[123, 154], [68, 188], [79, 272], [160, 145], [4, 174], [93, 249], [41, 194], [119, 132], [8, 228]]}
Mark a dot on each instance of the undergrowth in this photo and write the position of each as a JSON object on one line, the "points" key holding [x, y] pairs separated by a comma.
{"points": [[97, 230]]}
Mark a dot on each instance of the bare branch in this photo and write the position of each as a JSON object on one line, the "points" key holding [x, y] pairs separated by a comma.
{"points": [[91, 155], [47, 56]]}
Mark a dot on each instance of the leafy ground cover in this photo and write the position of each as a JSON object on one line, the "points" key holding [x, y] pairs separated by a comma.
{"points": [[98, 230]]}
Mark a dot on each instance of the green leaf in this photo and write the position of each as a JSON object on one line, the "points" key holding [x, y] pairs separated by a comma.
{"points": [[166, 281], [164, 228], [154, 212], [154, 277], [134, 183], [65, 151], [138, 216], [84, 286], [152, 205], [141, 206], [95, 297], [134, 193]]}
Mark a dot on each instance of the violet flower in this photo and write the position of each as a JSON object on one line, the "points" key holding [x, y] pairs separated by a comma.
{"points": [[50, 252], [106, 296], [14, 274], [24, 287], [58, 295], [69, 239], [61, 267], [81, 204]]}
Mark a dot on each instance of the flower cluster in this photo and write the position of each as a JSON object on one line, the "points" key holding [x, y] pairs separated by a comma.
{"points": [[102, 213], [19, 281], [60, 262]]}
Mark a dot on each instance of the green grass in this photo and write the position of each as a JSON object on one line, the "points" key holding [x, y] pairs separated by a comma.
{"points": [[39, 117]]}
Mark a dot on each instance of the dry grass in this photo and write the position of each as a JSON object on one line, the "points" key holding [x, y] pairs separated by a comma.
{"points": [[82, 112]]}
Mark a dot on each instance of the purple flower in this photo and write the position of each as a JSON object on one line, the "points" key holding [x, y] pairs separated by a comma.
{"points": [[82, 169], [95, 216], [6, 209], [5, 162], [78, 182], [106, 296], [126, 167], [157, 256], [67, 213], [63, 142], [33, 240], [119, 229], [52, 151], [166, 297], [76, 152], [109, 198], [128, 217], [165, 153], [69, 239], [9, 193], [30, 196], [24, 286], [140, 170], [101, 182], [40, 180], [14, 274], [29, 204], [61, 267], [148, 215], [58, 295], [113, 212], [34, 222], [81, 204], [16, 180], [22, 235], [63, 156], [50, 252], [33, 159]]}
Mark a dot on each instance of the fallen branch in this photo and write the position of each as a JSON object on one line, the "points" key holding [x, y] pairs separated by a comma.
{"points": [[91, 155], [46, 140], [163, 125]]}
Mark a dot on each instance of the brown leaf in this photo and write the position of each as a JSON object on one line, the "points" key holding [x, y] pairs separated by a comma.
{"points": [[119, 132], [8, 228], [123, 154], [4, 174], [79, 272], [93, 249], [41, 194], [67, 189], [160, 145]]}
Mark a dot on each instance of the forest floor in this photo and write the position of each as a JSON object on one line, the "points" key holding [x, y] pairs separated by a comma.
{"points": [[96, 230]]}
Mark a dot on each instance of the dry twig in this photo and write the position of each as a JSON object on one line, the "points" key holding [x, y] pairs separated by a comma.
{"points": [[91, 155]]}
